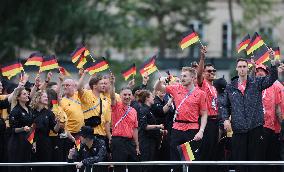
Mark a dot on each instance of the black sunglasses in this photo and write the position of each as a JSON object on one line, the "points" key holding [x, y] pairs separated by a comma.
{"points": [[210, 71]]}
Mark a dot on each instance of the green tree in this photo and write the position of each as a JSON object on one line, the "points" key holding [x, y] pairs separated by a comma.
{"points": [[160, 22]]}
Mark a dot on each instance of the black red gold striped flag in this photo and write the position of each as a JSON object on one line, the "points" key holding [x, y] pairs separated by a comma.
{"points": [[149, 66], [78, 143], [77, 53], [49, 63], [261, 55], [12, 69], [31, 135], [277, 53], [63, 71], [255, 42], [186, 152], [98, 66], [83, 59], [129, 72], [244, 43], [190, 38], [35, 59]]}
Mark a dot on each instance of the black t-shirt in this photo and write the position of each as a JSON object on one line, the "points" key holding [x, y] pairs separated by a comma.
{"points": [[44, 121], [19, 117]]}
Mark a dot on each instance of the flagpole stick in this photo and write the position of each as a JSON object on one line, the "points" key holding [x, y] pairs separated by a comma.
{"points": [[159, 73], [266, 45], [200, 42]]}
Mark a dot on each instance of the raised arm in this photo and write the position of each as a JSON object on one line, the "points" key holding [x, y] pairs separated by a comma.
{"points": [[200, 68], [80, 85], [112, 89], [159, 86], [22, 83]]}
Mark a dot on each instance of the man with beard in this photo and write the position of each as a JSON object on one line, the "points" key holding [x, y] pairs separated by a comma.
{"points": [[243, 101], [205, 77], [190, 104]]}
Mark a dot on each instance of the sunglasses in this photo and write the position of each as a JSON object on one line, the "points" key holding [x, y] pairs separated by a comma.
{"points": [[210, 71]]}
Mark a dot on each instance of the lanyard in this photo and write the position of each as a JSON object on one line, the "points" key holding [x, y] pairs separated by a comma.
{"points": [[182, 101], [75, 101], [214, 92], [123, 116]]}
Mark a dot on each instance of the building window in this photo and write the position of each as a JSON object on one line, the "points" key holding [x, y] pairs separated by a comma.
{"points": [[226, 39], [194, 49]]}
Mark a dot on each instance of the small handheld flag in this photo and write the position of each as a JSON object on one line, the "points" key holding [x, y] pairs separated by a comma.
{"points": [[98, 66], [127, 73], [12, 69], [190, 38], [77, 53], [35, 59], [78, 143], [185, 152], [255, 42], [63, 71], [261, 55], [149, 66], [31, 134], [49, 63], [277, 53], [244, 43]]}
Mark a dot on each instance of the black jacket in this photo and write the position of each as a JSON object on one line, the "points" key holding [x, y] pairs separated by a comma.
{"points": [[89, 156], [246, 110]]}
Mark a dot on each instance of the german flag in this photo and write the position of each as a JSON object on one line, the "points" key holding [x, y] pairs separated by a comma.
{"points": [[83, 59], [277, 52], [186, 152], [49, 63], [78, 143], [129, 72], [12, 69], [98, 66], [244, 43], [190, 38], [77, 53], [63, 71], [255, 43], [31, 135], [261, 55], [35, 59], [54, 103], [149, 66]]}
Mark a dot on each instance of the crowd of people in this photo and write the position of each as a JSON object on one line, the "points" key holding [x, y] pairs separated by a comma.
{"points": [[75, 121]]}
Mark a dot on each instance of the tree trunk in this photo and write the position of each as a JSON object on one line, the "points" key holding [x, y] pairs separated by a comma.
{"points": [[233, 42]]}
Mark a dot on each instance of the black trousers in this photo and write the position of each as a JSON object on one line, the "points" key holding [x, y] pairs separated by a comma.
{"points": [[123, 150], [248, 147], [179, 137], [148, 148], [43, 152], [271, 148], [19, 150], [209, 144]]}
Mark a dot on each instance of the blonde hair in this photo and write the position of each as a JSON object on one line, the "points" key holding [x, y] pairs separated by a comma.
{"points": [[191, 70], [16, 94], [36, 99]]}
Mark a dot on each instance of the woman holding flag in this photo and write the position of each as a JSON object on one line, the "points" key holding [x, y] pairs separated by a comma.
{"points": [[20, 119]]}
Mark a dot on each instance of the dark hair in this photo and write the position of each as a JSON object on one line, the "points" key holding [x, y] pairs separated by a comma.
{"points": [[242, 60], [95, 80], [143, 95], [51, 95], [50, 84], [208, 65]]}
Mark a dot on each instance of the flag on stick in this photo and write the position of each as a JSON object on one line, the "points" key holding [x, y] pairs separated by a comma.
{"points": [[149, 66], [12, 69], [31, 135], [98, 66], [78, 143], [185, 152], [244, 43], [129, 72], [255, 42], [49, 63], [63, 71], [261, 55], [190, 38], [35, 59], [77, 53], [277, 53]]}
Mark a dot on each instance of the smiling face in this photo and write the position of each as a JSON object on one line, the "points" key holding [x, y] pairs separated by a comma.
{"points": [[69, 87], [126, 96], [23, 97], [209, 73], [43, 99]]}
